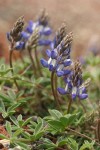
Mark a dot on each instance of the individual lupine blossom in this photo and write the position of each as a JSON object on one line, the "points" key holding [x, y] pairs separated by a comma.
{"points": [[44, 30], [60, 34], [15, 35], [74, 83], [59, 58]]}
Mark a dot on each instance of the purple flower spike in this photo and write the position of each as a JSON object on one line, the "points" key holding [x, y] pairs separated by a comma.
{"points": [[83, 96], [61, 91], [53, 54], [48, 52], [44, 63]]}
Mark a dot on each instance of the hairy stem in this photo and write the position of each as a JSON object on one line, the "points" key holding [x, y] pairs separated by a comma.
{"points": [[53, 89], [58, 96], [38, 63], [98, 130], [32, 61], [82, 105], [82, 135], [21, 57], [70, 103], [11, 66]]}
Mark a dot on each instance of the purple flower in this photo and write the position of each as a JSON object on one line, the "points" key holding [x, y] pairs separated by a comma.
{"points": [[31, 26], [62, 91], [52, 61], [25, 35], [43, 42], [20, 45]]}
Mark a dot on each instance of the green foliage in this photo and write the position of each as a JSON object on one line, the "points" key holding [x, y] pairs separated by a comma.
{"points": [[87, 145], [31, 119]]}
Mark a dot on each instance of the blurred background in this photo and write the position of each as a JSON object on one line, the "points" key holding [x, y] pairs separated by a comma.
{"points": [[81, 17]]}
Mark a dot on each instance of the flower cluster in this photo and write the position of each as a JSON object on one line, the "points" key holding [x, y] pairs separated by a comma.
{"points": [[59, 57], [43, 29], [74, 83], [60, 34], [15, 34]]}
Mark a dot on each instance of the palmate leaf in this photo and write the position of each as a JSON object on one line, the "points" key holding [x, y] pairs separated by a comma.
{"points": [[17, 132], [2, 105], [13, 107], [4, 70], [4, 113], [8, 128], [38, 131], [26, 135], [56, 125], [48, 144], [2, 136], [27, 121], [55, 113], [20, 93], [39, 126], [14, 120], [51, 148], [68, 119], [72, 144], [12, 95], [38, 135], [87, 145], [58, 121], [5, 98], [24, 100], [2, 109], [19, 118], [23, 145], [61, 141]]}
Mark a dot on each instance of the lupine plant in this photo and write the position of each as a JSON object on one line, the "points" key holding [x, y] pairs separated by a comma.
{"points": [[46, 102]]}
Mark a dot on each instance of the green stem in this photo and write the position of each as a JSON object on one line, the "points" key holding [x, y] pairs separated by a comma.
{"points": [[82, 105], [56, 92], [21, 57], [32, 61], [53, 89], [70, 103], [82, 135], [38, 63], [98, 130], [11, 66]]}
